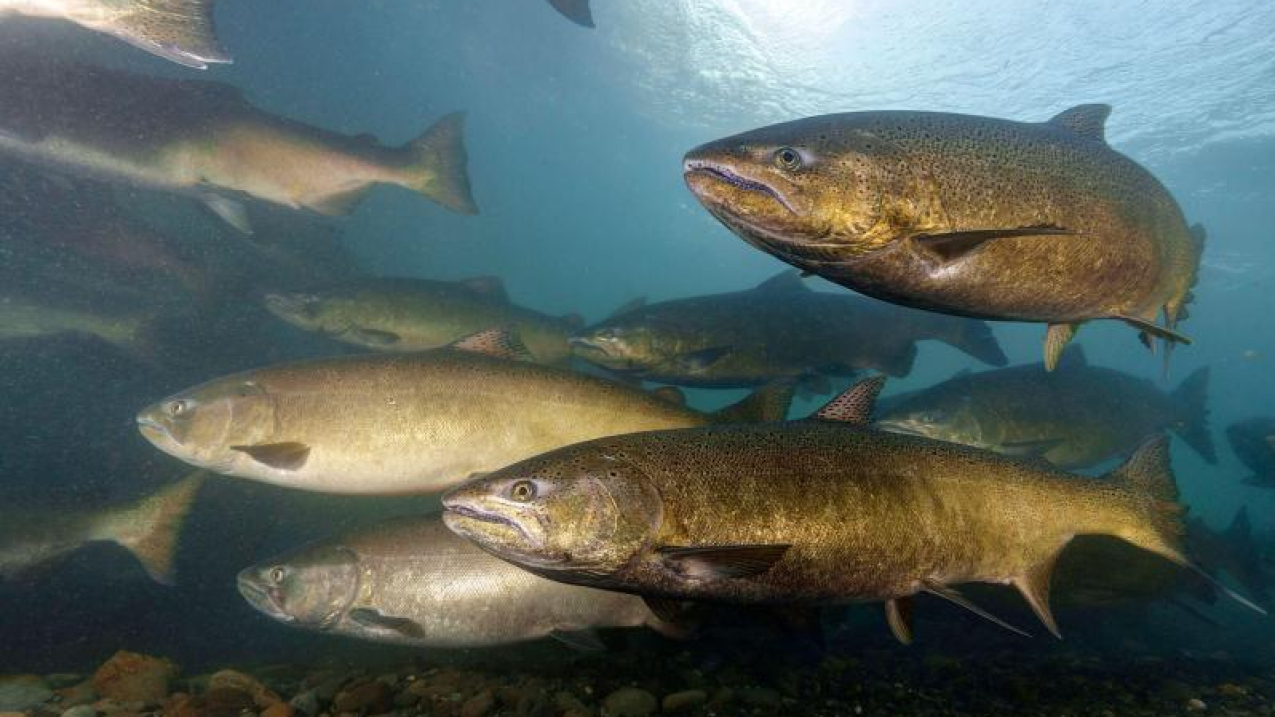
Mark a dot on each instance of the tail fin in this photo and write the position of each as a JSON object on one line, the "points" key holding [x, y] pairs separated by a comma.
{"points": [[976, 339], [437, 165], [1148, 478], [178, 30], [768, 403], [150, 528], [1192, 420]]}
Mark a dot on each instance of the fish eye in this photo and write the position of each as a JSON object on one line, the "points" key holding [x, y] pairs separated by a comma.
{"points": [[277, 574], [177, 408], [522, 491], [788, 158]]}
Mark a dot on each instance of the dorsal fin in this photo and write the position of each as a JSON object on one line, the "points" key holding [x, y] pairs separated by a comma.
{"points": [[489, 286], [854, 405], [786, 281], [1085, 120], [630, 305], [500, 343]]}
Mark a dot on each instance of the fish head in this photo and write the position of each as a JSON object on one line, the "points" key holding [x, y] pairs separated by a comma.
{"points": [[953, 420], [313, 588], [583, 510], [811, 192], [305, 311], [201, 425], [618, 345]]}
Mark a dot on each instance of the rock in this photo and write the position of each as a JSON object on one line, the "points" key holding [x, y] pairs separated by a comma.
{"points": [[278, 709], [20, 692], [367, 698], [629, 702], [478, 705], [262, 696], [684, 700], [569, 703], [76, 695], [307, 703], [80, 711], [130, 677], [1195, 704]]}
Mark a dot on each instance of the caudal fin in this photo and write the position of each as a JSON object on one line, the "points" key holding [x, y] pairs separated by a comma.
{"points": [[766, 404], [1192, 420], [178, 30], [150, 528], [976, 339], [1148, 478], [437, 165]]}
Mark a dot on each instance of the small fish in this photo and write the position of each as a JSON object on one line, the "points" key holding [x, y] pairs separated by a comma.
{"points": [[394, 314], [204, 140], [966, 215], [1074, 417], [821, 511], [411, 581], [778, 330], [410, 423], [148, 529], [25, 315], [1253, 441], [181, 31]]}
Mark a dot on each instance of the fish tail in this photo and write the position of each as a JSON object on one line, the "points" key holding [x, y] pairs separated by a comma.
{"points": [[437, 165], [767, 404], [149, 529], [178, 30], [976, 339], [1192, 421], [1158, 525]]}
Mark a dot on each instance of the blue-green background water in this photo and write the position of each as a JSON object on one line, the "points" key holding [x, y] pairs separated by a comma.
{"points": [[575, 139]]}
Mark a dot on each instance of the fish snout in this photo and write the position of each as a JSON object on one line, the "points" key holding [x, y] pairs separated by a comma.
{"points": [[261, 595], [291, 307]]}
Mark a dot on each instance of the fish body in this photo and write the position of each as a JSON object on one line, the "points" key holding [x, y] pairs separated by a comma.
{"points": [[387, 424], [23, 316], [398, 314], [1253, 441], [778, 330], [148, 529], [203, 139], [1077, 416], [819, 511], [411, 581], [178, 30], [967, 215]]}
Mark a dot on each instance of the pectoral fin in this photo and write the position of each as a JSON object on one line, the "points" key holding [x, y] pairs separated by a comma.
{"points": [[374, 620], [1152, 330], [230, 211], [716, 562], [375, 337], [898, 613], [288, 456], [583, 640], [854, 405], [951, 246], [956, 598]]}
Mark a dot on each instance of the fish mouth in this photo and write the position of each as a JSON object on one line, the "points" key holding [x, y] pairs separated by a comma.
{"points": [[499, 535], [154, 431], [264, 598], [598, 351], [696, 170], [289, 307]]}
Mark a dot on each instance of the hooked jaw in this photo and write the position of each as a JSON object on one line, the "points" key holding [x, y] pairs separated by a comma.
{"points": [[493, 523], [261, 595]]}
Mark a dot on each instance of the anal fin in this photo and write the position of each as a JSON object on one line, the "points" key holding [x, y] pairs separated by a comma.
{"points": [[1034, 586], [898, 614]]}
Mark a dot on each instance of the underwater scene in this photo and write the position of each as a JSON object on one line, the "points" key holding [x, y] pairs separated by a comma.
{"points": [[613, 358]]}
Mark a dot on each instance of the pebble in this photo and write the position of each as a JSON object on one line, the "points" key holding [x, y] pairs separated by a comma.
{"points": [[278, 709], [80, 711], [19, 692], [306, 703], [684, 700], [130, 677], [1195, 704], [567, 702], [262, 696], [629, 702], [367, 698], [478, 705], [759, 697], [75, 695]]}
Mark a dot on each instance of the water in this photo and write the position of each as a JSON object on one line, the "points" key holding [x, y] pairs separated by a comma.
{"points": [[575, 139]]}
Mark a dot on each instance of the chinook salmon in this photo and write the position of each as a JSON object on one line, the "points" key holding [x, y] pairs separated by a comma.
{"points": [[203, 139], [1074, 417], [821, 511], [974, 216], [148, 529], [778, 330], [396, 424], [393, 314], [178, 30], [411, 581]]}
